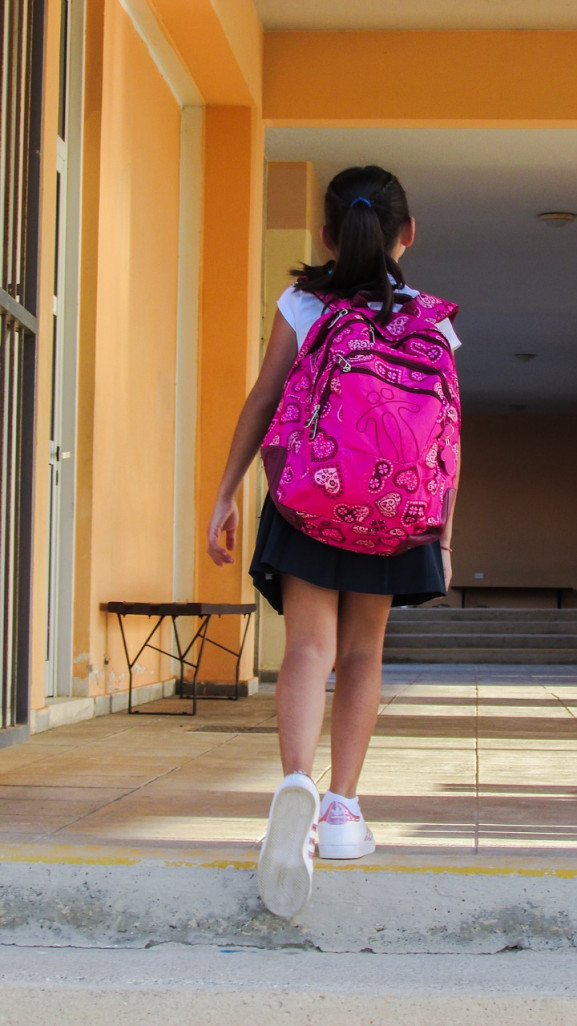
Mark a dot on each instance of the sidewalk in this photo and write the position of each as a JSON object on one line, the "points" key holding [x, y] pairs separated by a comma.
{"points": [[465, 760], [134, 831]]}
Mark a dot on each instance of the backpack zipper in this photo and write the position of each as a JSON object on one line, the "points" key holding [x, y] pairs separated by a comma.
{"points": [[341, 363], [313, 422]]}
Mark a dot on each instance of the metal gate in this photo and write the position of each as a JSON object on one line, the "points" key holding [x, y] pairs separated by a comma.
{"points": [[22, 24]]}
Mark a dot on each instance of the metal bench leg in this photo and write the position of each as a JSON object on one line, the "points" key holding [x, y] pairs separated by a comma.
{"points": [[131, 663], [201, 633], [239, 657]]}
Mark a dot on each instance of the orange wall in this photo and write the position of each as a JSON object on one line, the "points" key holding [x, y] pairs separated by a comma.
{"points": [[220, 43], [287, 194], [419, 77], [124, 516], [129, 350], [295, 200]]}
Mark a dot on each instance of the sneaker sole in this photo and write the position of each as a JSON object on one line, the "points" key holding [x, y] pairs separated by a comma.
{"points": [[342, 851], [284, 872]]}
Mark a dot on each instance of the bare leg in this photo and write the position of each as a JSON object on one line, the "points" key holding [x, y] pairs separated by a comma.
{"points": [[310, 616], [361, 630]]}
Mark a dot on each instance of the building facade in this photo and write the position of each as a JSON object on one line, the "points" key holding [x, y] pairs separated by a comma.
{"points": [[137, 205]]}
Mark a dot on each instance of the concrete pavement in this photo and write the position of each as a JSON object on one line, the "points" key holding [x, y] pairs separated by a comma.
{"points": [[127, 832], [209, 985], [465, 760]]}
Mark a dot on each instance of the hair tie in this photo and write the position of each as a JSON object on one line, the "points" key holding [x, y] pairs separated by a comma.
{"points": [[360, 199]]}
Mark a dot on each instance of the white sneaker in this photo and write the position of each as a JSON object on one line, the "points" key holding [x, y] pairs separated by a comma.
{"points": [[344, 835], [285, 865]]}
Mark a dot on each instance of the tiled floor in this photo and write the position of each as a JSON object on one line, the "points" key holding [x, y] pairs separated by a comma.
{"points": [[465, 760]]}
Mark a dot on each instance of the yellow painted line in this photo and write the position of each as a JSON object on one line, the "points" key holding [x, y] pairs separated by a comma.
{"points": [[567, 874], [247, 863], [63, 855], [71, 860], [73, 856]]}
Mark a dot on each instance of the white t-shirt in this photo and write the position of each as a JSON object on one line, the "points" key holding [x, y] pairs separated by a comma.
{"points": [[302, 309]]}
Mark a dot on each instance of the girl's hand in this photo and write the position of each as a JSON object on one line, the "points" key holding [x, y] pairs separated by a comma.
{"points": [[253, 422], [224, 518], [447, 566]]}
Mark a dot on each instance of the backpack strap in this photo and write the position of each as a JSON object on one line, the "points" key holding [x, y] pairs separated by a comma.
{"points": [[420, 307], [433, 309], [420, 304]]}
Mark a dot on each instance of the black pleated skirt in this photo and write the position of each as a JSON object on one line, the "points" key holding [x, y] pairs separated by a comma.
{"points": [[412, 578]]}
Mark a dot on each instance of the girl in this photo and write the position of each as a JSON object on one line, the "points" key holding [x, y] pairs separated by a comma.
{"points": [[335, 602]]}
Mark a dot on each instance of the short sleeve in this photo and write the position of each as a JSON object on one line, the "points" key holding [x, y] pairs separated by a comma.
{"points": [[300, 310], [447, 329], [286, 307]]}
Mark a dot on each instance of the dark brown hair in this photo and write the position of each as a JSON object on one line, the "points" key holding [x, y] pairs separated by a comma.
{"points": [[365, 211]]}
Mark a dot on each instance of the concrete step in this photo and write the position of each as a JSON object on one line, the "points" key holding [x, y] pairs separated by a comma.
{"points": [[441, 613], [482, 628], [451, 655], [244, 986], [122, 898], [488, 640], [437, 635]]}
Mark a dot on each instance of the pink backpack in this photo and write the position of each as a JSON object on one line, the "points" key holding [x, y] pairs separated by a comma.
{"points": [[362, 450]]}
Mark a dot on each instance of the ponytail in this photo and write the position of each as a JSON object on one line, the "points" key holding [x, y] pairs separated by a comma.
{"points": [[365, 210]]}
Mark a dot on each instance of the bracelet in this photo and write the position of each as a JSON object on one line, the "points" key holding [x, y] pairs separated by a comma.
{"points": [[446, 548]]}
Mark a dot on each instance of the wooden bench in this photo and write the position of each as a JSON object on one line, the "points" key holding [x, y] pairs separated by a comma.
{"points": [[203, 612]]}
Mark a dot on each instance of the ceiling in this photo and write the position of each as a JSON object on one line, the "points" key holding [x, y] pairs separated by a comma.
{"points": [[395, 15], [476, 194]]}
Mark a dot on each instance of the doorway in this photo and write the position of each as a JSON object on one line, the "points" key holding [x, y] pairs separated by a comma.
{"points": [[65, 319]]}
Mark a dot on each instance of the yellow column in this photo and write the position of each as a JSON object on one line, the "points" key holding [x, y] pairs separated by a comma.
{"points": [[229, 346], [294, 216]]}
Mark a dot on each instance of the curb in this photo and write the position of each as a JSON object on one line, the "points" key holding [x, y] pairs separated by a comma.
{"points": [[95, 897]]}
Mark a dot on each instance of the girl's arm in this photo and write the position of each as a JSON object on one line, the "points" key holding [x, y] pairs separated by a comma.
{"points": [[251, 428], [448, 532]]}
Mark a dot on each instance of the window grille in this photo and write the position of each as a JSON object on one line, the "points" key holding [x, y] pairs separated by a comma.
{"points": [[22, 53]]}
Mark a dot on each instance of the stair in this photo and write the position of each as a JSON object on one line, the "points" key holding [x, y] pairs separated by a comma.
{"points": [[440, 635]]}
